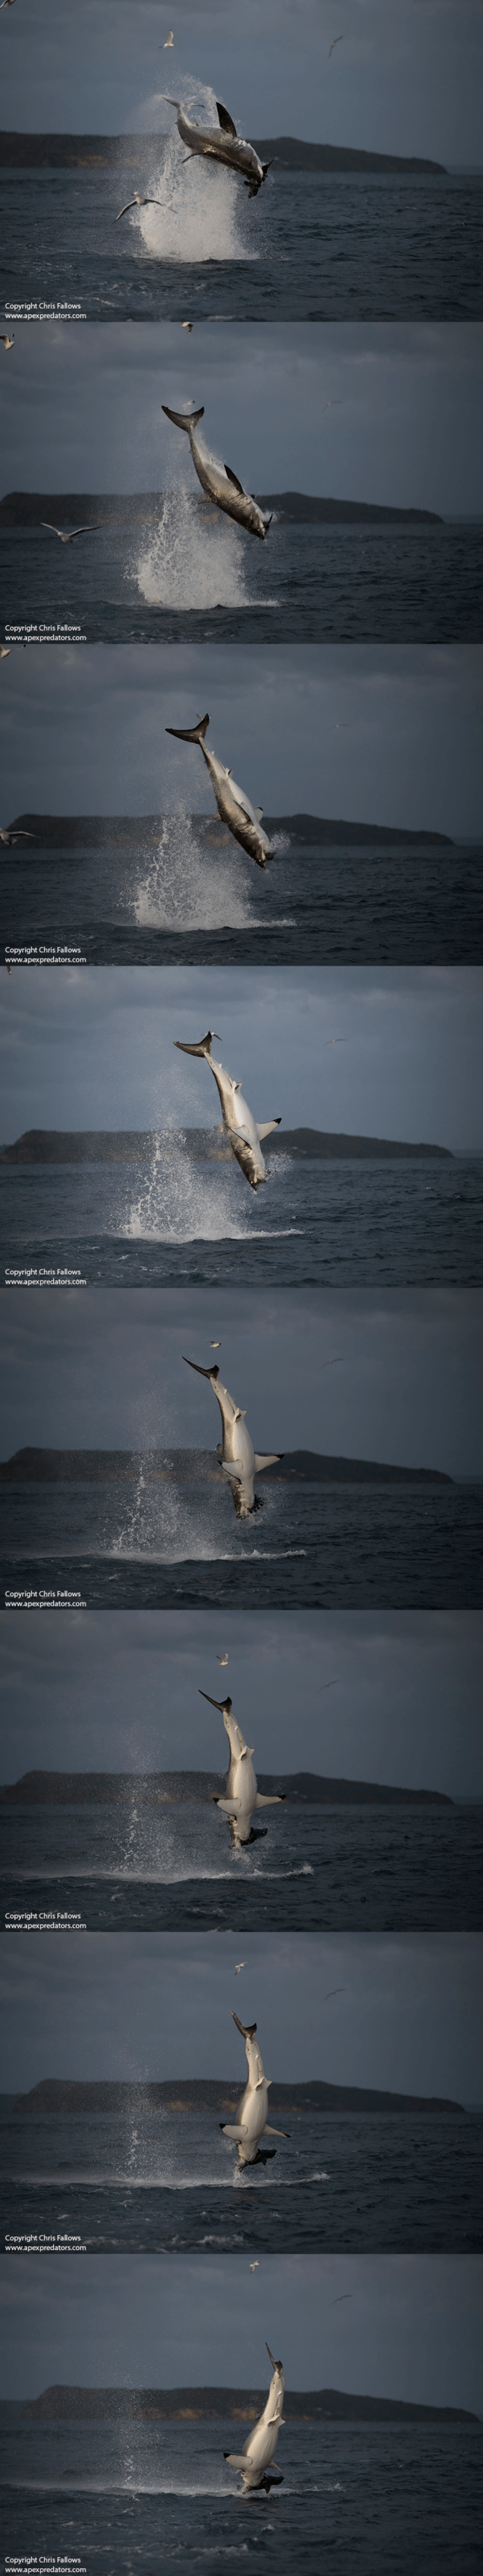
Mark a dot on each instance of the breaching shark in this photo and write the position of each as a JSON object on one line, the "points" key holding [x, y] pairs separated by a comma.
{"points": [[244, 1133], [240, 1461], [221, 143], [242, 1795], [234, 807], [219, 482], [252, 2123], [258, 2451]]}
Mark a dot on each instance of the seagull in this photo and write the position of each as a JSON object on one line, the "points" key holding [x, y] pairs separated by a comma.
{"points": [[334, 1990], [215, 1346], [10, 838], [67, 539], [8, 344], [335, 1363], [222, 1659], [337, 40], [241, 1964], [137, 201], [186, 326], [254, 2267], [344, 2294]]}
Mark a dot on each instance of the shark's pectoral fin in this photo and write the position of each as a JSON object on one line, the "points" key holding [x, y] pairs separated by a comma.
{"points": [[238, 2133], [225, 120], [270, 1123], [275, 2133], [278, 1801], [229, 1805], [236, 2459], [271, 1461], [233, 478]]}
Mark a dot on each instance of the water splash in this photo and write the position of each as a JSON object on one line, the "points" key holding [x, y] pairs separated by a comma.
{"points": [[203, 212], [193, 882], [179, 1202], [194, 557]]}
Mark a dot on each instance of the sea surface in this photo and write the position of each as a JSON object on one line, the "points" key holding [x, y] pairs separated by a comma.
{"points": [[129, 2499], [197, 900], [166, 1546], [311, 247], [181, 1215], [143, 1868], [191, 575], [168, 2182]]}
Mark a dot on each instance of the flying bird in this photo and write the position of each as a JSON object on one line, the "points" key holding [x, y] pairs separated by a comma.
{"points": [[335, 1363], [9, 838], [215, 1346], [5, 649], [8, 344], [337, 40], [186, 326], [334, 1990], [334, 403], [222, 1659], [67, 538], [169, 41], [254, 2267], [137, 201], [344, 2294], [241, 1964]]}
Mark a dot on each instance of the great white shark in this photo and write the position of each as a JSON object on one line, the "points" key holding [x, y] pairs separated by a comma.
{"points": [[259, 2449], [234, 807], [251, 2123], [221, 143], [238, 1123], [219, 482], [242, 1795], [240, 1461]]}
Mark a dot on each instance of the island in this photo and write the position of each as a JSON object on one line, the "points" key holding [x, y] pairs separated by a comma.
{"points": [[199, 1466], [136, 151], [117, 832], [29, 509], [101, 1145], [197, 1788], [60, 2096], [213, 2405]]}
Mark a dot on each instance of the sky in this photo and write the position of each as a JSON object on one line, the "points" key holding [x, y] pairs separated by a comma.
{"points": [[135, 2320], [387, 734], [92, 1369], [158, 2007], [81, 409], [85, 67], [375, 1695], [394, 1051]]}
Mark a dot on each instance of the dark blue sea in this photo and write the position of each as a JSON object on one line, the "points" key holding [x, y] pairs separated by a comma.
{"points": [[195, 899], [130, 2498], [180, 1215], [149, 1868], [312, 247], [170, 1545], [191, 575], [150, 2181]]}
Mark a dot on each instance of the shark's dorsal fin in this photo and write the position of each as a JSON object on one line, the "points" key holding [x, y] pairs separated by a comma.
{"points": [[233, 478], [225, 120]]}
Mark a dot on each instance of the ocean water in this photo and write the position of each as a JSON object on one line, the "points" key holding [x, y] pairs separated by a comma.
{"points": [[192, 575], [197, 900], [132, 2498], [181, 1215], [311, 247], [167, 1546], [142, 1868], [168, 2182]]}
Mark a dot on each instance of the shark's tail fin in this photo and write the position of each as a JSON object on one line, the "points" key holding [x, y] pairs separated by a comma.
{"points": [[194, 733], [266, 165], [205, 1044], [212, 1373], [276, 2365], [247, 2028], [182, 419], [222, 1704]]}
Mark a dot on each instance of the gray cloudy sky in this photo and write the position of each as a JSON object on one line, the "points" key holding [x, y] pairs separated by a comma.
{"points": [[81, 409], [90, 1368], [158, 2006], [100, 69], [414, 2330], [95, 1048], [382, 734], [118, 1690]]}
